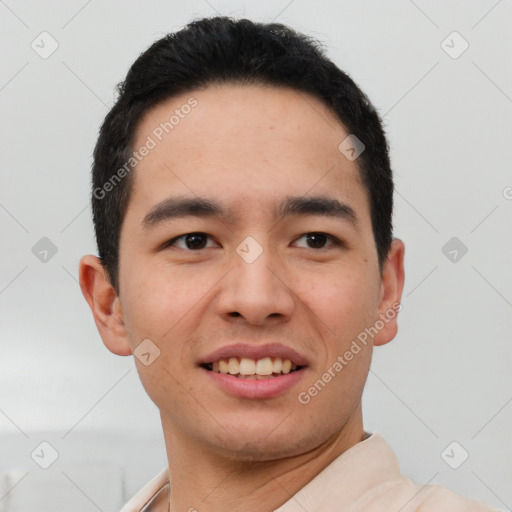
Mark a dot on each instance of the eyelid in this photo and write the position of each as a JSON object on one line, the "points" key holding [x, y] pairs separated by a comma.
{"points": [[172, 241], [335, 241]]}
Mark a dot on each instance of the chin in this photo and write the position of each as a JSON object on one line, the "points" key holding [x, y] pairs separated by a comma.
{"points": [[268, 442], [261, 452]]}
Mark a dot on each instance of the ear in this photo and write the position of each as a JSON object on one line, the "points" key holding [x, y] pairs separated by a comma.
{"points": [[392, 284], [105, 305]]}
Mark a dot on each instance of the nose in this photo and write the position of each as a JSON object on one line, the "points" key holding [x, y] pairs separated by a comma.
{"points": [[257, 291]]}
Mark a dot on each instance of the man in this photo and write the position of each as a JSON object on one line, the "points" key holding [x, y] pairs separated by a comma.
{"points": [[242, 201]]}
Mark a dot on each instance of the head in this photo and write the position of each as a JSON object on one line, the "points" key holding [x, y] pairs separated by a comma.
{"points": [[220, 50], [236, 132]]}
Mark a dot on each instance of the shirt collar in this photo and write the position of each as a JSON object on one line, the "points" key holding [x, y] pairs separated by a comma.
{"points": [[357, 470], [362, 467]]}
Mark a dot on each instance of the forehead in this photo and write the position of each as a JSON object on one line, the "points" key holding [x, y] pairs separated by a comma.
{"points": [[247, 144]]}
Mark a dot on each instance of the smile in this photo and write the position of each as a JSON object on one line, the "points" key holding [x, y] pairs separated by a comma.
{"points": [[246, 368], [255, 372]]}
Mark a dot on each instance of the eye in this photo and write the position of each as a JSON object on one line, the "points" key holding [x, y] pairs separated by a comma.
{"points": [[190, 241], [318, 240]]}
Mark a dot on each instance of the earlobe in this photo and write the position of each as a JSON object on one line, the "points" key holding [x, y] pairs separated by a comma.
{"points": [[392, 284], [105, 305]]}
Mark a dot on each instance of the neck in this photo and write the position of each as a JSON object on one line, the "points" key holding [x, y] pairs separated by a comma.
{"points": [[204, 480]]}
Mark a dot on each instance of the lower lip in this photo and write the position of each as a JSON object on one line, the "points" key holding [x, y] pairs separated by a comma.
{"points": [[253, 388]]}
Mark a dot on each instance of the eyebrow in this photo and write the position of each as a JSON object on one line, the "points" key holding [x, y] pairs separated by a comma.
{"points": [[179, 207]]}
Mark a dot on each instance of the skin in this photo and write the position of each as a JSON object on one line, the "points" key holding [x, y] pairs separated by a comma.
{"points": [[247, 147]]}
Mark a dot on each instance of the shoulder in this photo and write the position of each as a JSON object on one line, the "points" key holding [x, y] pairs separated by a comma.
{"points": [[439, 499], [393, 490], [403, 494]]}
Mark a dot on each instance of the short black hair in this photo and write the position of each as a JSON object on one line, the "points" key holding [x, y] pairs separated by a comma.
{"points": [[221, 50]]}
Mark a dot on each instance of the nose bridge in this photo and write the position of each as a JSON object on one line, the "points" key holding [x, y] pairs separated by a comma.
{"points": [[254, 289], [255, 276]]}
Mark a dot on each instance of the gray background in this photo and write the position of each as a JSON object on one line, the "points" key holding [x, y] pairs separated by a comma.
{"points": [[446, 377]]}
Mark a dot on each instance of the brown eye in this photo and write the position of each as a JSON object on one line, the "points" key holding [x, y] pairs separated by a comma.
{"points": [[318, 240], [190, 241]]}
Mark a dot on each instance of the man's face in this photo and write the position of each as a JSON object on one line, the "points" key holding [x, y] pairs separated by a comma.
{"points": [[249, 149]]}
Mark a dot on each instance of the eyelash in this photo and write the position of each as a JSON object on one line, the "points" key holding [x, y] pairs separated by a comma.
{"points": [[335, 241]]}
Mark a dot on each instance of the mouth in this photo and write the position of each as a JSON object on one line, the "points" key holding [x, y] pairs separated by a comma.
{"points": [[255, 372], [253, 369]]}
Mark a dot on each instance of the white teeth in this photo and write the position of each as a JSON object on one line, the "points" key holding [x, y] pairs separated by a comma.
{"points": [[264, 366], [247, 366], [251, 368], [223, 366], [233, 366], [278, 364]]}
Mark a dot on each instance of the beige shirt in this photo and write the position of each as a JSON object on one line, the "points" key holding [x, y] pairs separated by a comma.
{"points": [[365, 478]]}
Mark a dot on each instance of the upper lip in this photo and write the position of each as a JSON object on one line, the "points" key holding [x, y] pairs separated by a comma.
{"points": [[255, 352]]}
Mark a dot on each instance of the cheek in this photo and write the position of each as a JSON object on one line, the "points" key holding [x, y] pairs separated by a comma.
{"points": [[159, 302], [345, 300], [163, 306]]}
